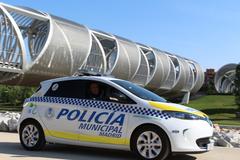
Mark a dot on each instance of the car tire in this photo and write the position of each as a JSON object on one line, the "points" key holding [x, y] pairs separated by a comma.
{"points": [[151, 143], [32, 136]]}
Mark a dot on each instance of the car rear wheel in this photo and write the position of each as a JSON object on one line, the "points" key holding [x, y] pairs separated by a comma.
{"points": [[150, 143], [32, 136]]}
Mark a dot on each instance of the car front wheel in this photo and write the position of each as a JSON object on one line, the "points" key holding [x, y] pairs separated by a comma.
{"points": [[150, 143]]}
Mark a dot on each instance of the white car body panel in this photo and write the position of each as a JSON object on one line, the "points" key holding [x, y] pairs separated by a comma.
{"points": [[66, 120]]}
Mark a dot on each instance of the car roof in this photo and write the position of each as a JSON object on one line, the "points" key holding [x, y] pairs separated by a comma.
{"points": [[106, 78]]}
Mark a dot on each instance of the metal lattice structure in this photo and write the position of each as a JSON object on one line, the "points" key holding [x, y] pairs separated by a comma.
{"points": [[36, 46], [224, 78]]}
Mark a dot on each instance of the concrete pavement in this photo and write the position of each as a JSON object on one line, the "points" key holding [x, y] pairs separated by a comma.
{"points": [[10, 148]]}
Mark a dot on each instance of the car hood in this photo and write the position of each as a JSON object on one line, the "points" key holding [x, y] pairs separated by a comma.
{"points": [[176, 107]]}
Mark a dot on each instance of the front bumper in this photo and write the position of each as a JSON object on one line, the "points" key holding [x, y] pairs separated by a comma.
{"points": [[190, 135]]}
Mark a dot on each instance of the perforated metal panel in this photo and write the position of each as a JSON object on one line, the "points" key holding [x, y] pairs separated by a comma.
{"points": [[199, 78], [191, 79], [110, 48], [161, 69], [143, 71], [170, 81], [133, 53], [151, 61], [96, 59], [122, 66]]}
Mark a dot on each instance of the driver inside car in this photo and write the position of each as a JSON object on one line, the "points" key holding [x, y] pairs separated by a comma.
{"points": [[95, 92]]}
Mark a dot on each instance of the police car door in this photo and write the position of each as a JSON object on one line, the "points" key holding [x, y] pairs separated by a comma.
{"points": [[105, 120], [61, 113]]}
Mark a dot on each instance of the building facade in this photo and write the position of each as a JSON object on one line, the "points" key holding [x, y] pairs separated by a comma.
{"points": [[209, 75]]}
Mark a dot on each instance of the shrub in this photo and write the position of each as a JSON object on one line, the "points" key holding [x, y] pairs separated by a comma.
{"points": [[14, 95]]}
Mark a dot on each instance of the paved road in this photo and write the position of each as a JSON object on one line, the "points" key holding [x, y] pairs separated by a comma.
{"points": [[10, 149]]}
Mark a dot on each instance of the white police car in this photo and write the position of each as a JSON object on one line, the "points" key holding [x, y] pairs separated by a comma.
{"points": [[105, 112]]}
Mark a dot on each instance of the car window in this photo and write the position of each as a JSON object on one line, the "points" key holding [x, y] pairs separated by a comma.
{"points": [[68, 89], [104, 92], [139, 91], [117, 96]]}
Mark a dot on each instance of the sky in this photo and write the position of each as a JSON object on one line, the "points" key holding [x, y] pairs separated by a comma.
{"points": [[207, 31]]}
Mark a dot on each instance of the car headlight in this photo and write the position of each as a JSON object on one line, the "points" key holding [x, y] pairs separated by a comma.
{"points": [[183, 115]]}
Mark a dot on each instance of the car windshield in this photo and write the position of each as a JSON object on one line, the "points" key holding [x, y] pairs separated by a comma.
{"points": [[139, 91]]}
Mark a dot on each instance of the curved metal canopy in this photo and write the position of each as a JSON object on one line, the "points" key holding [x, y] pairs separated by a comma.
{"points": [[36, 46], [224, 78]]}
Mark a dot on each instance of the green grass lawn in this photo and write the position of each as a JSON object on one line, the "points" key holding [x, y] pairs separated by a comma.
{"points": [[220, 108]]}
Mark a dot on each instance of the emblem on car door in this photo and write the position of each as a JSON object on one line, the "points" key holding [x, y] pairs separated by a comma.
{"points": [[49, 113]]}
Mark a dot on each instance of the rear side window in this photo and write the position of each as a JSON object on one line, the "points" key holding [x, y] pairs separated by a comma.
{"points": [[68, 89]]}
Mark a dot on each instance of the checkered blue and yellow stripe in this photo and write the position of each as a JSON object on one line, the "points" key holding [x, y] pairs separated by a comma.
{"points": [[111, 106]]}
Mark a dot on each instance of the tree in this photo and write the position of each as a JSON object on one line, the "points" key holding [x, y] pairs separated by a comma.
{"points": [[210, 88], [237, 85]]}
